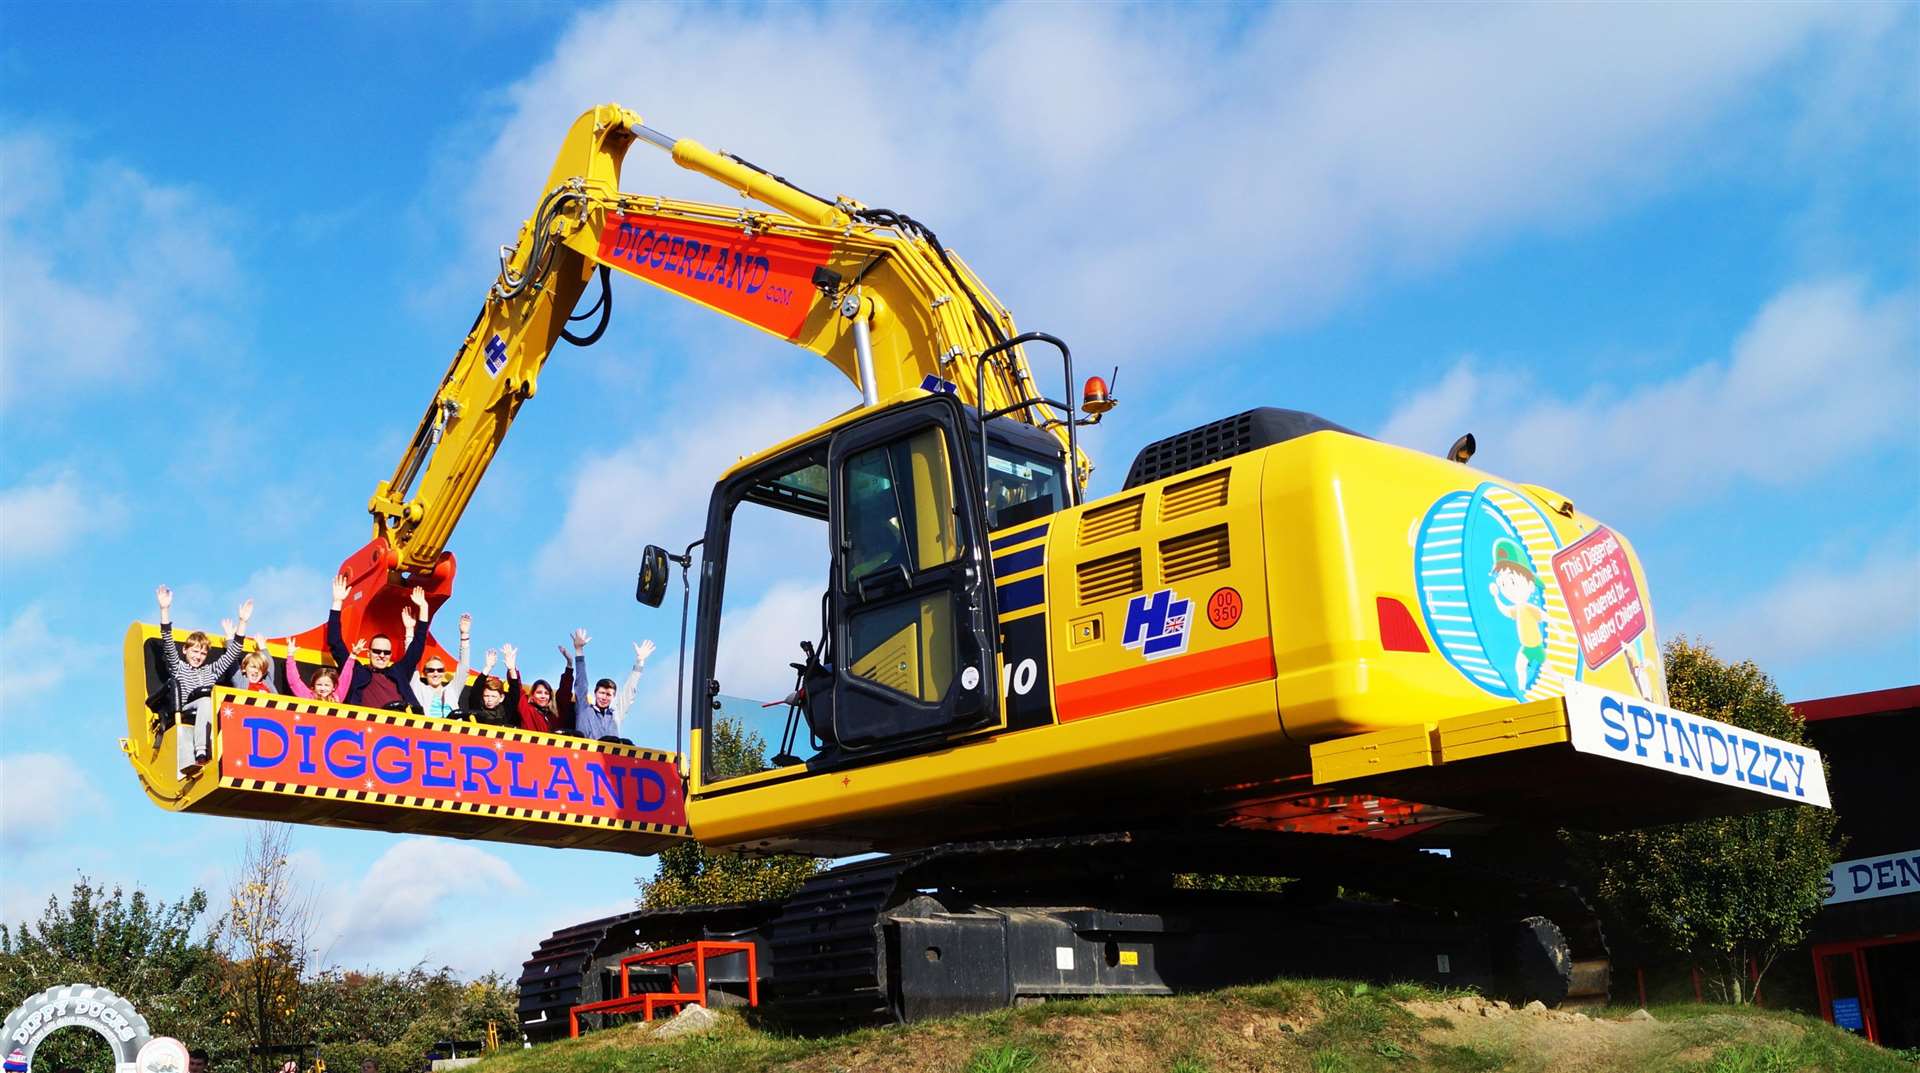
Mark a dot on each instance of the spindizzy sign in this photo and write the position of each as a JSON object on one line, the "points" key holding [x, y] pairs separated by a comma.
{"points": [[1620, 727], [340, 752]]}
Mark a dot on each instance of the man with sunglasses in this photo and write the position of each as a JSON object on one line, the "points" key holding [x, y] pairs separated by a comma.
{"points": [[436, 690], [388, 681]]}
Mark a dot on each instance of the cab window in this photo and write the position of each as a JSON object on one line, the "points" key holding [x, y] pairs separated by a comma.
{"points": [[777, 562], [1021, 486], [900, 523], [900, 507]]}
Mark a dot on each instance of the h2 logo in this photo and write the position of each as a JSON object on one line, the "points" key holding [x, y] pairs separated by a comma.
{"points": [[1157, 624]]}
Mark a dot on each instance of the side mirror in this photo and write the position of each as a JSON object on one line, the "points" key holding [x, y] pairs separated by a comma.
{"points": [[654, 567]]}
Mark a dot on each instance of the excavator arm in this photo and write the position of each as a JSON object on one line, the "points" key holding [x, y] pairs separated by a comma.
{"points": [[871, 291]]}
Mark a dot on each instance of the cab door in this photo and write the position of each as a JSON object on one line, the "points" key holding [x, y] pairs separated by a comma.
{"points": [[911, 598]]}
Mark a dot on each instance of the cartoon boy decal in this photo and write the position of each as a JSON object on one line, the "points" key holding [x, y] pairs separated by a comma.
{"points": [[1518, 593]]}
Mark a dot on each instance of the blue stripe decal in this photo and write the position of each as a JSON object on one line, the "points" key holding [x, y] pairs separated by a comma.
{"points": [[1021, 537], [1022, 594], [1016, 561]]}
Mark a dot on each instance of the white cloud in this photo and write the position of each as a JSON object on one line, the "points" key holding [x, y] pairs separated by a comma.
{"points": [[1833, 607], [106, 276], [49, 516], [1824, 373], [1257, 164], [31, 678], [405, 891], [40, 794], [505, 948], [286, 599], [758, 641], [654, 490]]}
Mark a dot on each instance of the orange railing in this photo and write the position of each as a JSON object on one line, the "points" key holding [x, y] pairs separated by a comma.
{"points": [[695, 954]]}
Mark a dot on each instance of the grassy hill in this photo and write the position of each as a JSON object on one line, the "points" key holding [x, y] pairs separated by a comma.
{"points": [[1306, 1026]]}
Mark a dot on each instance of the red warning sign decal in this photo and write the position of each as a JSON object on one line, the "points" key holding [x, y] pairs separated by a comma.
{"points": [[1224, 607]]}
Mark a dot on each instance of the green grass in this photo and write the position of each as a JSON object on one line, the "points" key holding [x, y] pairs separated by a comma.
{"points": [[1327, 1026], [1798, 1042], [1814, 1050], [1002, 1058], [1468, 1058]]}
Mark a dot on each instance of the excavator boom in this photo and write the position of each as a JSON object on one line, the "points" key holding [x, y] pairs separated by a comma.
{"points": [[873, 292]]}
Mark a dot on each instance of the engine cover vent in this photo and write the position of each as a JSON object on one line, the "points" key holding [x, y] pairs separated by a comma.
{"points": [[1224, 438]]}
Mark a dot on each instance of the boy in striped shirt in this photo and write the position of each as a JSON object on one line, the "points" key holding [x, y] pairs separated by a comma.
{"points": [[194, 678]]}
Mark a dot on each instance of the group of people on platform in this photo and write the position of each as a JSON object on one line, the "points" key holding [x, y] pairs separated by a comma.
{"points": [[378, 673]]}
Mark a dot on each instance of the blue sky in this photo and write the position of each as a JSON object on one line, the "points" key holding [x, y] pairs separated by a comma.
{"points": [[1661, 259]]}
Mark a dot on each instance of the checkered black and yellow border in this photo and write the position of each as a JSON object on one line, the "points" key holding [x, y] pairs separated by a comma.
{"points": [[467, 730]]}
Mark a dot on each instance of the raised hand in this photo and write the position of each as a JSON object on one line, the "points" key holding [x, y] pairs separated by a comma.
{"points": [[226, 626], [165, 596], [580, 640], [360, 649], [406, 619], [493, 654], [642, 650], [466, 626], [419, 598], [564, 658], [510, 653], [339, 588], [246, 611]]}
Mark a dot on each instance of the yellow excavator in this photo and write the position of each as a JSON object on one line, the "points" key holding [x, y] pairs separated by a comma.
{"points": [[1282, 649]]}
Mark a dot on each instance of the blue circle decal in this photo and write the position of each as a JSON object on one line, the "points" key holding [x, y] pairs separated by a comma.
{"points": [[1483, 564]]}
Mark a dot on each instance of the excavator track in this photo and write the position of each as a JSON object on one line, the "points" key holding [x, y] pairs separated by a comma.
{"points": [[863, 943], [827, 947]]}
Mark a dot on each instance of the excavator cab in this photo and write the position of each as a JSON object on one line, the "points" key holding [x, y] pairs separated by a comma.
{"points": [[882, 531]]}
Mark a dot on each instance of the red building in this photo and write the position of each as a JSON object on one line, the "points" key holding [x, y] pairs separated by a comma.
{"points": [[1866, 941]]}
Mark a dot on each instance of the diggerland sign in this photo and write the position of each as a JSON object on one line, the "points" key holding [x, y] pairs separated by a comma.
{"points": [[445, 762], [77, 1005]]}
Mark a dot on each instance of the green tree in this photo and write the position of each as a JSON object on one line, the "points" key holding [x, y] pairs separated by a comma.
{"points": [[265, 940], [394, 1018], [143, 950], [1731, 890], [689, 874]]}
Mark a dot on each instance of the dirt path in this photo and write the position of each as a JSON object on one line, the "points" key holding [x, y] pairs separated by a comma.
{"points": [[1539, 1040]]}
